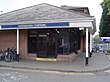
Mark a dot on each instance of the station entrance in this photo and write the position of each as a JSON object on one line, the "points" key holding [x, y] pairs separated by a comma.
{"points": [[48, 43], [42, 43]]}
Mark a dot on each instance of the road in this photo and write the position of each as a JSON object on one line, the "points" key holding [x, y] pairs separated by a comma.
{"points": [[20, 75]]}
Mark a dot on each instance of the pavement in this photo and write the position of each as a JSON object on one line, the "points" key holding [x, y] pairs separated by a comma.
{"points": [[98, 62]]}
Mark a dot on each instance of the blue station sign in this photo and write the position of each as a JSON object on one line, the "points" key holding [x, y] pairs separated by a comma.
{"points": [[105, 39], [35, 25]]}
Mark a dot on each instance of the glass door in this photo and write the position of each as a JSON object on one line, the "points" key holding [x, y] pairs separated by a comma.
{"points": [[42, 46]]}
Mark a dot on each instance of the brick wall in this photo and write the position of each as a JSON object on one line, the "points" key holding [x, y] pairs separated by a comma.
{"points": [[23, 44], [7, 39]]}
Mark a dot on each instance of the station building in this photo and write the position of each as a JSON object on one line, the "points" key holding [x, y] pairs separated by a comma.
{"points": [[47, 31]]}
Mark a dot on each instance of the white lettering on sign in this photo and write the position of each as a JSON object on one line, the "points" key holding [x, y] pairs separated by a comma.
{"points": [[32, 25]]}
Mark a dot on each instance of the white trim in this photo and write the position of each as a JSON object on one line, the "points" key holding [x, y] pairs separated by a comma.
{"points": [[81, 24], [17, 41], [87, 54], [76, 23], [105, 37], [0, 27], [91, 38], [71, 25]]}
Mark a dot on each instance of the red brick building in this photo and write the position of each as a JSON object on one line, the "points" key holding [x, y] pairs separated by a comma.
{"points": [[47, 31]]}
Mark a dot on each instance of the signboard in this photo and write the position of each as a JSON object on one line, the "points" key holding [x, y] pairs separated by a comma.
{"points": [[105, 39], [35, 25]]}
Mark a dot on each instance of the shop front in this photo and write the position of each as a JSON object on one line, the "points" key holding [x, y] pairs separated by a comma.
{"points": [[32, 43], [46, 31], [48, 43]]}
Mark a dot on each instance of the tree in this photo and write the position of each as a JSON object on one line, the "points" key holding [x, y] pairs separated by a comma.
{"points": [[105, 19], [106, 4], [97, 40]]}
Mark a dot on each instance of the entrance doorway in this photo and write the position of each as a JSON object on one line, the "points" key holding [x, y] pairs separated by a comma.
{"points": [[42, 43], [42, 46], [46, 46]]}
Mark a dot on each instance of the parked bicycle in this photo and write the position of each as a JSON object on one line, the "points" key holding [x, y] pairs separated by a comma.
{"points": [[9, 55], [2, 54]]}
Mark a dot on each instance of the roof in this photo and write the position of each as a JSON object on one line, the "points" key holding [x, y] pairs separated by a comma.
{"points": [[42, 11], [83, 10]]}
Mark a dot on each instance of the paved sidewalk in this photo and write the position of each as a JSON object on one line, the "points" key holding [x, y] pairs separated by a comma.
{"points": [[97, 62]]}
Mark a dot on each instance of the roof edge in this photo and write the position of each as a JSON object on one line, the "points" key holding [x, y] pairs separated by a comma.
{"points": [[50, 21]]}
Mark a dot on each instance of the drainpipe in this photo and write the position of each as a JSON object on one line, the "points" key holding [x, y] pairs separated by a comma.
{"points": [[87, 54]]}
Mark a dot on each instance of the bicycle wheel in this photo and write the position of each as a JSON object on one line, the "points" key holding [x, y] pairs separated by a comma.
{"points": [[8, 57]]}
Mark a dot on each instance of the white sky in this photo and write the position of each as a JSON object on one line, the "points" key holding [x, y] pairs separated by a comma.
{"points": [[94, 5]]}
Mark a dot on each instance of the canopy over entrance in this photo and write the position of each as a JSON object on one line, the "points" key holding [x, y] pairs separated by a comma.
{"points": [[46, 16]]}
